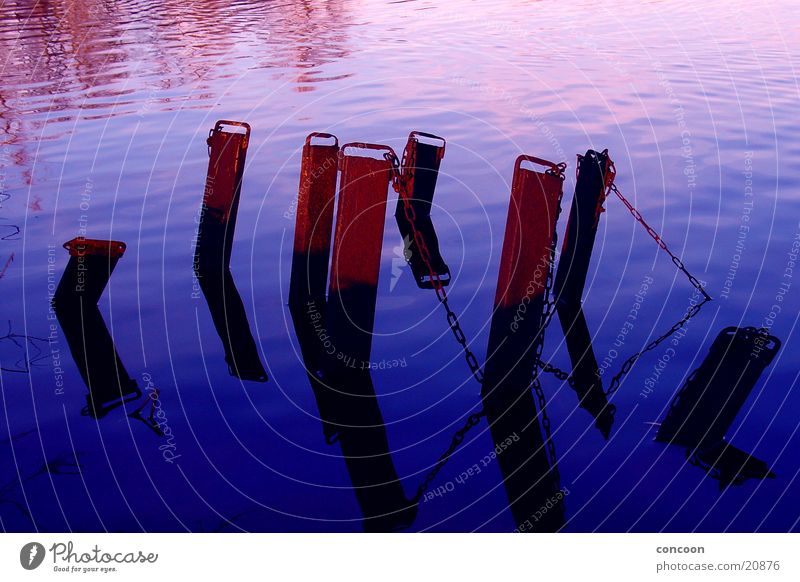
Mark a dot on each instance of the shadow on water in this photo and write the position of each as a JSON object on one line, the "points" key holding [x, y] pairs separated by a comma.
{"points": [[706, 405]]}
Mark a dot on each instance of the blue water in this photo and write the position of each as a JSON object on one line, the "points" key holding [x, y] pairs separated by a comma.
{"points": [[104, 111]]}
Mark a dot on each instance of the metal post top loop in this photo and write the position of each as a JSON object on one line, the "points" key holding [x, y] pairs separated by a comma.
{"points": [[415, 135], [322, 135], [221, 124], [358, 145], [553, 169]]}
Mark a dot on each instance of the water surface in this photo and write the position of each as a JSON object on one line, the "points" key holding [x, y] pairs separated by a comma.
{"points": [[104, 111]]}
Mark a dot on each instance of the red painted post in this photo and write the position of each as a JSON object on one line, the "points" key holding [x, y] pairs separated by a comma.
{"points": [[357, 244], [515, 330], [335, 337], [309, 279], [314, 221], [227, 151]]}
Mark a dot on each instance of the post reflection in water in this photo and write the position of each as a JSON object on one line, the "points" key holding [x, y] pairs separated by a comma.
{"points": [[594, 173], [336, 336], [530, 479], [705, 407], [227, 146], [90, 265], [585, 378]]}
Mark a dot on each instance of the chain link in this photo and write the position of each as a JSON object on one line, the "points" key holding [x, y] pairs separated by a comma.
{"points": [[400, 183], [560, 374], [616, 380], [401, 177], [458, 438], [656, 237]]}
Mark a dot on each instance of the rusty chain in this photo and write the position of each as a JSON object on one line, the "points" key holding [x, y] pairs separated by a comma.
{"points": [[656, 237], [616, 380], [400, 178]]}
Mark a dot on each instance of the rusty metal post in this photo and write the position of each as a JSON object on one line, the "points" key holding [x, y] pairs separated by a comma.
{"points": [[227, 146], [314, 220], [357, 246], [335, 337], [309, 277], [511, 354]]}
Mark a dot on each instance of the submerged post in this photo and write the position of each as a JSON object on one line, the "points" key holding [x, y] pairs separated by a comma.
{"points": [[511, 358], [704, 408], [90, 265], [336, 336], [312, 248], [227, 147]]}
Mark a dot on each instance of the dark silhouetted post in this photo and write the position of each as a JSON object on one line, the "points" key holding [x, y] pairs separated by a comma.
{"points": [[90, 265], [594, 175], [705, 407], [420, 170]]}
